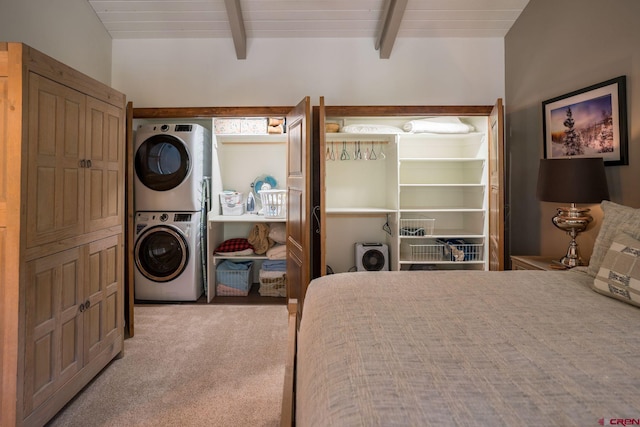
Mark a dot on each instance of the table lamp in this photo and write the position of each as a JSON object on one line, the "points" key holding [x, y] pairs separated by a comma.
{"points": [[572, 180]]}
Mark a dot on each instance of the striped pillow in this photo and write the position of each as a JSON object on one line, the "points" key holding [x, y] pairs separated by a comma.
{"points": [[619, 274]]}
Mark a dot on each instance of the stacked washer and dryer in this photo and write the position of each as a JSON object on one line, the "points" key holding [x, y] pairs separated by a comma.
{"points": [[171, 198]]}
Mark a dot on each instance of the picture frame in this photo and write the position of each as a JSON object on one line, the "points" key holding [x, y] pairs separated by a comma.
{"points": [[590, 122]]}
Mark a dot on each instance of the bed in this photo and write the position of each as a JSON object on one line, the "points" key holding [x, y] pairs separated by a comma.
{"points": [[416, 348]]}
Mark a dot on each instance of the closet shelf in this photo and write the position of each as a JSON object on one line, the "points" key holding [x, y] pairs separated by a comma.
{"points": [[359, 211], [440, 159], [443, 185], [442, 136], [239, 258], [242, 218], [280, 138], [406, 136], [404, 261], [445, 234], [427, 210], [362, 137]]}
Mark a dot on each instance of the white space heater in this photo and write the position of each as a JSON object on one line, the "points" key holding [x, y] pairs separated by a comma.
{"points": [[372, 257]]}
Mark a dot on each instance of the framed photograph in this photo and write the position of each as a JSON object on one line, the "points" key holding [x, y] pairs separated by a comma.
{"points": [[590, 122]]}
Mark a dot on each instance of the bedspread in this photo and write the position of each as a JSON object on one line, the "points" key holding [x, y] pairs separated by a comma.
{"points": [[465, 348]]}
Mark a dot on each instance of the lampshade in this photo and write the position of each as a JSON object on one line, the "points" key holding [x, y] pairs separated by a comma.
{"points": [[572, 180]]}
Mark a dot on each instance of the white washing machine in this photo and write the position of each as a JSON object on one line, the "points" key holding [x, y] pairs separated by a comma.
{"points": [[171, 163], [167, 254]]}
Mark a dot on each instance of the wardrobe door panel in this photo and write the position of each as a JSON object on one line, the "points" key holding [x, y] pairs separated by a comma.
{"points": [[53, 345], [56, 148], [105, 186], [102, 314]]}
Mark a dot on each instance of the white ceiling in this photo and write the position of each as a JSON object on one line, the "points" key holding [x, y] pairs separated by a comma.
{"points": [[135, 19]]}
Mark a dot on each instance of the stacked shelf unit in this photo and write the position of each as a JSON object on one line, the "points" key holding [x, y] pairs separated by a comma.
{"points": [[240, 159], [442, 185], [424, 195]]}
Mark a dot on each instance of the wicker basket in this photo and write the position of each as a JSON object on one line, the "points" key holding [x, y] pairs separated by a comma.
{"points": [[273, 284], [274, 203]]}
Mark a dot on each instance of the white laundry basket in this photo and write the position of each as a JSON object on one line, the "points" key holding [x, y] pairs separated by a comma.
{"points": [[274, 203]]}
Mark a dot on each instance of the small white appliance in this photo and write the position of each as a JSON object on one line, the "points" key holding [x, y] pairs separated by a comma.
{"points": [[172, 164], [372, 257], [167, 254]]}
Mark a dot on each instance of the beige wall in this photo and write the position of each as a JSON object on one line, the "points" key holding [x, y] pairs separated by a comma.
{"points": [[556, 47], [205, 72], [67, 30]]}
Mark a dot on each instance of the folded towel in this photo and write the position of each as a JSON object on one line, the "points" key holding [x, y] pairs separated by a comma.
{"points": [[277, 252], [274, 265], [438, 125], [259, 238], [267, 274], [224, 290]]}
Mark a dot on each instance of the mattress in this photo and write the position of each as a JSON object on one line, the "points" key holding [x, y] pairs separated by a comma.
{"points": [[465, 348]]}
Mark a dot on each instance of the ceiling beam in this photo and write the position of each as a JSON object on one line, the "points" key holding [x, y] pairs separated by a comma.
{"points": [[389, 25], [237, 27]]}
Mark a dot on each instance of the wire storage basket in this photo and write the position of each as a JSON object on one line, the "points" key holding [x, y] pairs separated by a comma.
{"points": [[462, 251], [234, 278], [452, 250], [417, 226], [430, 252], [274, 203]]}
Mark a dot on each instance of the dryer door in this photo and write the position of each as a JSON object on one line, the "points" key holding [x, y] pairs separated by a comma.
{"points": [[161, 253], [162, 162]]}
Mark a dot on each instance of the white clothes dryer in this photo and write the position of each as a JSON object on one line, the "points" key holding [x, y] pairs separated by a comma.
{"points": [[172, 161], [167, 254]]}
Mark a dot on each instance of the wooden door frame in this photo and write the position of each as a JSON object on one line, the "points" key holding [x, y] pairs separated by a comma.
{"points": [[169, 113], [496, 184]]}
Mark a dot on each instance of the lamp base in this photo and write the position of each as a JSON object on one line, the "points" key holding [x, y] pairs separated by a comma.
{"points": [[573, 220], [572, 258]]}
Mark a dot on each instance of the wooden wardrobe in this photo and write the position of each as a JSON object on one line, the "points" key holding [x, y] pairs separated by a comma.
{"points": [[62, 138]]}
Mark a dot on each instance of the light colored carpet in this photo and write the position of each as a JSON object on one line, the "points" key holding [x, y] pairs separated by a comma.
{"points": [[191, 365]]}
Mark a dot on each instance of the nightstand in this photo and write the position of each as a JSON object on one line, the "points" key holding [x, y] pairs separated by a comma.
{"points": [[530, 262]]}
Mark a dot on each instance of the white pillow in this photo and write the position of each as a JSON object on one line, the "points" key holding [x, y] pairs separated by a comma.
{"points": [[278, 232], [367, 128], [438, 125]]}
